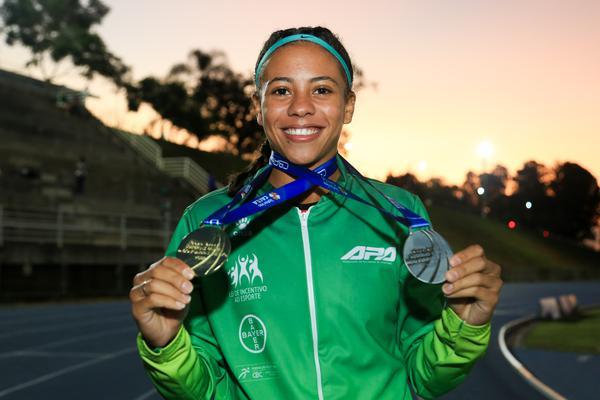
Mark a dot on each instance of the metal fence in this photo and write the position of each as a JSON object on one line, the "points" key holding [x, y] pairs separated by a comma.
{"points": [[67, 227], [177, 167]]}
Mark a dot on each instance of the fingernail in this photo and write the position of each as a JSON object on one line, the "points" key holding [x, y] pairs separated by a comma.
{"points": [[447, 288], [187, 287], [188, 273], [452, 276], [179, 305], [187, 299], [454, 261]]}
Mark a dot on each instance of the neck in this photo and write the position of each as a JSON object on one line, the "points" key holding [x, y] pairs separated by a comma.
{"points": [[279, 178]]}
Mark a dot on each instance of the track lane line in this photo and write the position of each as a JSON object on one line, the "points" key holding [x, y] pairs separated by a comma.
{"points": [[47, 377]]}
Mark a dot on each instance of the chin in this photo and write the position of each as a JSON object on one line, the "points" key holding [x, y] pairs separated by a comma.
{"points": [[304, 158]]}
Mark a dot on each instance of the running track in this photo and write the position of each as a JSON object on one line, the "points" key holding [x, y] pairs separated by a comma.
{"points": [[87, 351]]}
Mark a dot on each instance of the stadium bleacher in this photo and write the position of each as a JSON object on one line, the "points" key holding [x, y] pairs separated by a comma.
{"points": [[55, 242]]}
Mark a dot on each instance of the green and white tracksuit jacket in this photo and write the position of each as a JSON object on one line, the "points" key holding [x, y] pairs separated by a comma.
{"points": [[314, 305]]}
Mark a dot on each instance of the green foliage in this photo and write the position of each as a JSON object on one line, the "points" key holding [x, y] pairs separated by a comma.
{"points": [[525, 255], [564, 200], [205, 97], [62, 30]]}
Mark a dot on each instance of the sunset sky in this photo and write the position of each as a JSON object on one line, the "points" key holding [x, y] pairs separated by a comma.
{"points": [[522, 75]]}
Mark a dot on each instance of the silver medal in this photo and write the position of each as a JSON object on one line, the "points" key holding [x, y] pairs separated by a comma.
{"points": [[425, 254]]}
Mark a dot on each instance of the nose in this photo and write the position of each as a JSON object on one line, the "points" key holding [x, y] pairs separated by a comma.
{"points": [[301, 105]]}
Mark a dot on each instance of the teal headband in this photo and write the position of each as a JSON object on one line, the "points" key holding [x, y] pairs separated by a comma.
{"points": [[308, 38]]}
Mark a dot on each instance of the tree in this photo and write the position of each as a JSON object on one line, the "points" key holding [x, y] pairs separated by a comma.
{"points": [[409, 182], [532, 189], [62, 30], [576, 197], [205, 97]]}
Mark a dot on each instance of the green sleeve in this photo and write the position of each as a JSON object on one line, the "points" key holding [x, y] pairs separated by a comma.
{"points": [[439, 348], [191, 365]]}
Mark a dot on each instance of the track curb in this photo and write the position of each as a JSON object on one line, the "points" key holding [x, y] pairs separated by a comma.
{"points": [[529, 377]]}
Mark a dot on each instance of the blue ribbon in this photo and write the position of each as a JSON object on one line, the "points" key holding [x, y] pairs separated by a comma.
{"points": [[407, 217], [226, 214], [305, 180]]}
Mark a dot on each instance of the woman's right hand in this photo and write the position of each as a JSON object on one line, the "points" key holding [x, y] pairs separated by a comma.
{"points": [[159, 299]]}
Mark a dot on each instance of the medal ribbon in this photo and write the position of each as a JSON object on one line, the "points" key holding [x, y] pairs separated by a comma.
{"points": [[407, 217], [226, 214]]}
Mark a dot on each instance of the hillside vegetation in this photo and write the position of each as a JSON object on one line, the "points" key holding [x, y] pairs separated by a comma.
{"points": [[524, 255]]}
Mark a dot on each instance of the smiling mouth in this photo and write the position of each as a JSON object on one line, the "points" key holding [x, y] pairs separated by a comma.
{"points": [[301, 131]]}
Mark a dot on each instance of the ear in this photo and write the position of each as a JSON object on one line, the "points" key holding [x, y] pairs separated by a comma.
{"points": [[349, 107], [256, 104]]}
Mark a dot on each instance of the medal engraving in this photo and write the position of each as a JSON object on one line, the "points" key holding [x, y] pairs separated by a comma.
{"points": [[205, 250], [426, 256]]}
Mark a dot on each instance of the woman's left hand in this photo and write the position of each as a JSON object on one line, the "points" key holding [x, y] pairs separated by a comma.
{"points": [[473, 285]]}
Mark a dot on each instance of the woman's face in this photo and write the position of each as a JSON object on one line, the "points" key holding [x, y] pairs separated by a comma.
{"points": [[302, 106]]}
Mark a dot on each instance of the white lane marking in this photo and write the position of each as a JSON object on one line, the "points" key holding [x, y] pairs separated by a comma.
{"points": [[62, 326], [33, 353], [8, 320], [70, 340], [537, 384], [146, 395], [64, 371]]}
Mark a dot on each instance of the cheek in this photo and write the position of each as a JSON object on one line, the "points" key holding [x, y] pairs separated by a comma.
{"points": [[334, 113]]}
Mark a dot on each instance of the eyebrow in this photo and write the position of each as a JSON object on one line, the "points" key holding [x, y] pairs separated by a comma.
{"points": [[315, 79]]}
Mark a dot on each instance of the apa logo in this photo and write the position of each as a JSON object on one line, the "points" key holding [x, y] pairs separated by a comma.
{"points": [[366, 253], [245, 267], [274, 196]]}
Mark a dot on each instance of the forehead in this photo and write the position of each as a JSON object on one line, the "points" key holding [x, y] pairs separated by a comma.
{"points": [[302, 56]]}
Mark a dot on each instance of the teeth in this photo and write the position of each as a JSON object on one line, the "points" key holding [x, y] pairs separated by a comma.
{"points": [[301, 132]]}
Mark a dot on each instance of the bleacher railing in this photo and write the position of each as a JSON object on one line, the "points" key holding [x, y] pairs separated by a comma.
{"points": [[144, 146], [66, 227], [183, 167], [177, 167]]}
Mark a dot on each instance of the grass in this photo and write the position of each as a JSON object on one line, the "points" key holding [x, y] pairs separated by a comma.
{"points": [[523, 254], [582, 334]]}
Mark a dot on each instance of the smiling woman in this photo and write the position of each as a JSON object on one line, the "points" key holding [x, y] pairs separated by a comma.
{"points": [[315, 300]]}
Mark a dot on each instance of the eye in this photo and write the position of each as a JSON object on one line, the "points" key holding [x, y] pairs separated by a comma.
{"points": [[280, 91], [322, 90]]}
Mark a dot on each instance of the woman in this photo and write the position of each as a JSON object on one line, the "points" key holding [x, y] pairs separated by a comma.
{"points": [[314, 300]]}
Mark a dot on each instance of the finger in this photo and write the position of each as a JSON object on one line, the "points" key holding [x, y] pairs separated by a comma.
{"points": [[157, 300], [478, 279], [170, 262], [180, 266], [479, 293], [136, 293], [172, 274], [466, 254], [472, 266], [164, 288]]}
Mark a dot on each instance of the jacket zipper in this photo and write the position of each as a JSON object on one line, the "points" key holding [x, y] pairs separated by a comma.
{"points": [[311, 297]]}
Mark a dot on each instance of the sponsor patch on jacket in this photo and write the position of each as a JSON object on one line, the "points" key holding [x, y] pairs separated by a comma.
{"points": [[253, 334], [256, 372], [370, 254], [246, 278]]}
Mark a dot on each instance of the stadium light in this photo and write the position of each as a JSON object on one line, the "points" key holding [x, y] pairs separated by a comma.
{"points": [[485, 150]]}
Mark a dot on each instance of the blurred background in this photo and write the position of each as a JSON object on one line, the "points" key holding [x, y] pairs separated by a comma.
{"points": [[116, 115]]}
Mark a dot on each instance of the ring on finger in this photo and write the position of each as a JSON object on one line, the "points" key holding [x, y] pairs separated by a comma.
{"points": [[143, 286]]}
